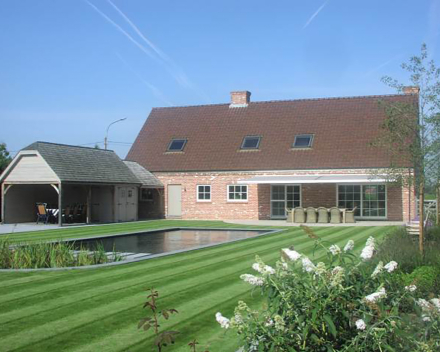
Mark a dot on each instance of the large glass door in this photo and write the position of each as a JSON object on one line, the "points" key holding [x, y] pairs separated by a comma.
{"points": [[370, 200], [282, 197]]}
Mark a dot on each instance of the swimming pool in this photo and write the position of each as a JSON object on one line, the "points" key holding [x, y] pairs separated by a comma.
{"points": [[167, 241]]}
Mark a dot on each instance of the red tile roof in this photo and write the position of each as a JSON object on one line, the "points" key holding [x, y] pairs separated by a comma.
{"points": [[342, 128]]}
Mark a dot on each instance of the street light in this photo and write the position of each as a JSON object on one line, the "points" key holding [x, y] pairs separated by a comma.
{"points": [[106, 133]]}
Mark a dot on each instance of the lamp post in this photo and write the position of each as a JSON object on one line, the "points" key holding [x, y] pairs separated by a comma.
{"points": [[106, 133]]}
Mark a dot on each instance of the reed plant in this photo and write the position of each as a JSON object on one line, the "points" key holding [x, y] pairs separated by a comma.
{"points": [[50, 255]]}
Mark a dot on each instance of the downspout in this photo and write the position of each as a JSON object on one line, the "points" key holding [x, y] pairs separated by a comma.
{"points": [[60, 205]]}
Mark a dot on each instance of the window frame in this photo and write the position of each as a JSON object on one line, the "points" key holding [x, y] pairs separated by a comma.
{"points": [[312, 137], [177, 150], [251, 136], [237, 200], [285, 200], [361, 207], [142, 199], [204, 192]]}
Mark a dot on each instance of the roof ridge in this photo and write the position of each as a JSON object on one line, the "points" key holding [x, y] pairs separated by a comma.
{"points": [[292, 100], [70, 145]]}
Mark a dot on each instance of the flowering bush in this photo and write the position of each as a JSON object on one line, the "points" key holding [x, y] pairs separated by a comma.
{"points": [[338, 305]]}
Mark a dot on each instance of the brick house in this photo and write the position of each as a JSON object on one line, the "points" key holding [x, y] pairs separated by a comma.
{"points": [[252, 160]]}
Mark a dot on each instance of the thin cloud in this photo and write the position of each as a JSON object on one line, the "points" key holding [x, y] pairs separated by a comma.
{"points": [[315, 14], [156, 91], [155, 53], [381, 66]]}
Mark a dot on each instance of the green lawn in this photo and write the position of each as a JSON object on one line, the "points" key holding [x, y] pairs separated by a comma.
{"points": [[98, 309]]}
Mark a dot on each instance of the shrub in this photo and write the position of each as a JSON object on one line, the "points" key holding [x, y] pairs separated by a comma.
{"points": [[341, 305], [401, 247], [426, 278]]}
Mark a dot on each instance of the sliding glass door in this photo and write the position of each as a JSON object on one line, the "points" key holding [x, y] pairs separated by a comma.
{"points": [[282, 197], [370, 200]]}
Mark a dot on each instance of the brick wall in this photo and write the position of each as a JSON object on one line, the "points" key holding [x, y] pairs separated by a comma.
{"points": [[318, 195], [401, 202]]}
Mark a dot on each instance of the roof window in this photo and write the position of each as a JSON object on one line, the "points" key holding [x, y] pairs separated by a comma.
{"points": [[176, 145], [303, 141], [251, 142]]}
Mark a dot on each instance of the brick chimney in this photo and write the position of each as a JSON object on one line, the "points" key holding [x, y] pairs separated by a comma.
{"points": [[411, 90], [240, 99]]}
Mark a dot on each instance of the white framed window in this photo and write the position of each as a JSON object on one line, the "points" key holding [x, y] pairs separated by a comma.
{"points": [[203, 193], [370, 200], [237, 193]]}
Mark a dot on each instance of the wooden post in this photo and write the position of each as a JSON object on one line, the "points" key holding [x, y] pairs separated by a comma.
{"points": [[421, 216], [438, 205], [60, 205], [89, 205], [3, 203]]}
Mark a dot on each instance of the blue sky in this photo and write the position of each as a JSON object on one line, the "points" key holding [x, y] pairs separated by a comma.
{"points": [[68, 68]]}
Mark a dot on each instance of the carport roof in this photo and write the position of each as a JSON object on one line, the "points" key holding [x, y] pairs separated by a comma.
{"points": [[83, 164]]}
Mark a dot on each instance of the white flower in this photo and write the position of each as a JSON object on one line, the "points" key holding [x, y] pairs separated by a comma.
{"points": [[426, 318], [224, 322], [374, 297], [269, 322], [436, 303], [391, 266], [411, 288], [370, 241], [337, 270], [291, 254], [320, 268], [334, 249], [349, 246], [368, 251], [424, 304], [253, 280], [378, 269], [308, 266], [263, 269], [360, 324]]}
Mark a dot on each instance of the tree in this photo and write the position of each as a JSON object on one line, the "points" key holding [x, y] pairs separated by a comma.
{"points": [[411, 132], [5, 157]]}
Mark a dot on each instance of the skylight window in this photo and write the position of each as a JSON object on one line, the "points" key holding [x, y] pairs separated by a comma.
{"points": [[303, 141], [176, 145], [251, 142]]}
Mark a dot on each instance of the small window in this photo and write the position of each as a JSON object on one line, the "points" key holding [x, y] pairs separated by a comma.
{"points": [[237, 193], [303, 141], [251, 142], [176, 145], [204, 193], [146, 194]]}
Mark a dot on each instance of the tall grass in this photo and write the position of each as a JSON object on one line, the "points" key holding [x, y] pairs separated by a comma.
{"points": [[50, 255]]}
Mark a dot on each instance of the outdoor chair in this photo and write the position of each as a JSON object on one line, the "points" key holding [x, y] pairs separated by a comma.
{"points": [[349, 215], [335, 215], [67, 216], [299, 215], [42, 213], [322, 215], [311, 215], [289, 215]]}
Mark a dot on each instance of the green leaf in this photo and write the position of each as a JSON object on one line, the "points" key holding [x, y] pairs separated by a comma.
{"points": [[330, 324]]}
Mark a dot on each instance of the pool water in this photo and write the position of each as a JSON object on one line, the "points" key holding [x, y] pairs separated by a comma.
{"points": [[166, 241]]}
